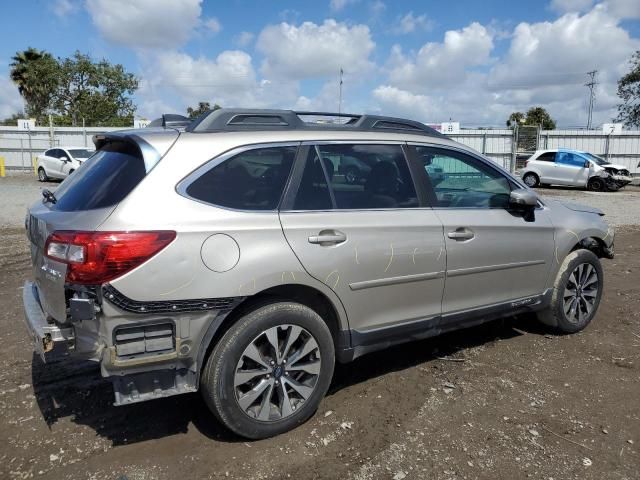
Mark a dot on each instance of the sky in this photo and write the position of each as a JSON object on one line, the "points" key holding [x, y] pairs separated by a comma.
{"points": [[472, 61]]}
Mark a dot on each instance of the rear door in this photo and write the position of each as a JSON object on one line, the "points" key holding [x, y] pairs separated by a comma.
{"points": [[372, 241], [545, 163], [494, 255]]}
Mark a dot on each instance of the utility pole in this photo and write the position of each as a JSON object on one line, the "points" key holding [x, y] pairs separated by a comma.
{"points": [[340, 94], [592, 95]]}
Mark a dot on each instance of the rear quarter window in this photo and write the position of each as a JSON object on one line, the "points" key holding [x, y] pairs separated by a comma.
{"points": [[104, 180], [251, 180]]}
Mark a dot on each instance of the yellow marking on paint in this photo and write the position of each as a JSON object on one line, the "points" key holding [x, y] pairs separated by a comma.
{"points": [[283, 277], [390, 259], [337, 280], [185, 285], [326, 280], [357, 261], [293, 276], [557, 261], [439, 253]]}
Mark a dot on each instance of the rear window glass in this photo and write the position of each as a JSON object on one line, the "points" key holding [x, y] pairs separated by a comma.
{"points": [[104, 180], [547, 157], [251, 180]]}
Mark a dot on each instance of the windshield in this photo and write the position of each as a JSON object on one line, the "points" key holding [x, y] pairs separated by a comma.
{"points": [[81, 153], [596, 159]]}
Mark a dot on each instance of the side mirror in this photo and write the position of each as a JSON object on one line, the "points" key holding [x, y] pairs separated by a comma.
{"points": [[587, 164], [523, 199], [64, 159]]}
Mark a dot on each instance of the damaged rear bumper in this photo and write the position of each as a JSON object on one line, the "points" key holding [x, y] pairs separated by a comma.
{"points": [[49, 340]]}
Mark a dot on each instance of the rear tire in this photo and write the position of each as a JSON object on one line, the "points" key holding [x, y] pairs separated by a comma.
{"points": [[42, 175], [531, 180], [576, 293], [596, 185], [257, 391]]}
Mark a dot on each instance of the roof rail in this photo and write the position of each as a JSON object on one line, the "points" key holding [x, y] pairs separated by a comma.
{"points": [[170, 120], [234, 120]]}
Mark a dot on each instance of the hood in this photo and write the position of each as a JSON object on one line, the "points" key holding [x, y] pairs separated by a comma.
{"points": [[578, 207]]}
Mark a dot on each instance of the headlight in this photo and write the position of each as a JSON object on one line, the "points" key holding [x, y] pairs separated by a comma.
{"points": [[603, 173]]}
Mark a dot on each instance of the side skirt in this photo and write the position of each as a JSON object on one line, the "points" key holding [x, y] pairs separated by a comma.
{"points": [[371, 340]]}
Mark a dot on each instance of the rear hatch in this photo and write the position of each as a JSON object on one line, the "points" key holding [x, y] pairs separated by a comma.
{"points": [[84, 201]]}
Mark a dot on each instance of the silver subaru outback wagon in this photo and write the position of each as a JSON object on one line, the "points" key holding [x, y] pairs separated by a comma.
{"points": [[242, 255]]}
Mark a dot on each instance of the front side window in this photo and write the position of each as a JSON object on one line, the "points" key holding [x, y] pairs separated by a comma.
{"points": [[359, 176], [571, 159], [251, 180], [461, 181]]}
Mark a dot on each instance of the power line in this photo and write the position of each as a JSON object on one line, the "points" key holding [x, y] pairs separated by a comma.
{"points": [[592, 95]]}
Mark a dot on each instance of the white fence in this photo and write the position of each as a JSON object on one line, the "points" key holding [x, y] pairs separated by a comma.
{"points": [[19, 147]]}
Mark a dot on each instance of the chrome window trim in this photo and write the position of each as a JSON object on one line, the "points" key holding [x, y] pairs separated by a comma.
{"points": [[183, 185]]}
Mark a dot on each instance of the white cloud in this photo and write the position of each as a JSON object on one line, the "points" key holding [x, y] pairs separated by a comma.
{"points": [[10, 99], [545, 64], [229, 80], [62, 8], [146, 23], [410, 23], [312, 50], [441, 65], [564, 6], [377, 8], [337, 5], [243, 39], [623, 8], [213, 25]]}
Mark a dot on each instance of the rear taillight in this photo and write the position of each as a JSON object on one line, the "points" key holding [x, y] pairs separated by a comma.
{"points": [[97, 257]]}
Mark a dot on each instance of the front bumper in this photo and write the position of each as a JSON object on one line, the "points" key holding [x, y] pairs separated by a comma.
{"points": [[622, 180], [49, 340]]}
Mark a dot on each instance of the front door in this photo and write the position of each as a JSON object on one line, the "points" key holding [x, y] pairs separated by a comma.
{"points": [[494, 255], [370, 240], [570, 169]]}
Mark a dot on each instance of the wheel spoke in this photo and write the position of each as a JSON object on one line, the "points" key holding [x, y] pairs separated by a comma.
{"points": [[587, 305], [312, 367], [591, 279], [572, 279], [286, 408], [243, 376], [252, 395], [309, 346], [254, 354], [574, 308], [587, 273], [592, 293], [300, 388], [292, 336], [272, 337], [265, 406]]}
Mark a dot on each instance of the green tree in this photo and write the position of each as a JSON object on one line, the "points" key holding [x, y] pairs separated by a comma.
{"points": [[98, 92], [35, 73], [539, 116], [200, 109], [12, 121], [535, 116], [629, 93], [515, 119]]}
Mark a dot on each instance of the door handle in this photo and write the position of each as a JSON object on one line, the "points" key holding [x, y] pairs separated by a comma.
{"points": [[461, 234], [328, 237]]}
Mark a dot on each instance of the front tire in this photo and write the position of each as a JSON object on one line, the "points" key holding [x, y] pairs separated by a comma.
{"points": [[576, 293], [596, 184], [42, 175], [270, 370], [531, 180]]}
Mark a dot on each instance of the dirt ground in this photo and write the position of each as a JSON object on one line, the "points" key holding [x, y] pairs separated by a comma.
{"points": [[506, 400]]}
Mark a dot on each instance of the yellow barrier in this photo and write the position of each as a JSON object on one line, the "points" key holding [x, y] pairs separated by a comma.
{"points": [[35, 166], [1, 166]]}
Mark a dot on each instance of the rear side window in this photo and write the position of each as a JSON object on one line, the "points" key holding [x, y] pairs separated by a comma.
{"points": [[547, 157], [251, 180], [104, 180], [358, 176]]}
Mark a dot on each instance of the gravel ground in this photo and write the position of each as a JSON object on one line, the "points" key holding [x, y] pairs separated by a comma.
{"points": [[18, 190]]}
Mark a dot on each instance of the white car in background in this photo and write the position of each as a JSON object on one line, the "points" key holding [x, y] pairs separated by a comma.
{"points": [[575, 168], [60, 162]]}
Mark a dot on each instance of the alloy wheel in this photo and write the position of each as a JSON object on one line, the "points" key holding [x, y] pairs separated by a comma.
{"points": [[581, 293], [277, 373]]}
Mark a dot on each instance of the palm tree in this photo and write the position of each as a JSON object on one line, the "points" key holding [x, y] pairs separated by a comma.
{"points": [[32, 71]]}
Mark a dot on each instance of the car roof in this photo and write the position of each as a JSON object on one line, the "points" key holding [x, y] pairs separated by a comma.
{"points": [[73, 147]]}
